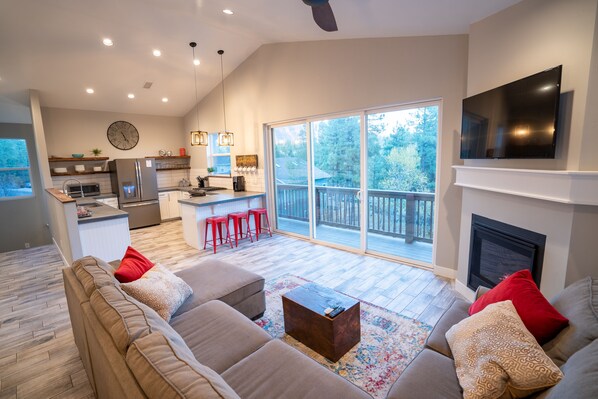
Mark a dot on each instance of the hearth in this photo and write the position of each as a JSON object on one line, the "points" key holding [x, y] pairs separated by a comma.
{"points": [[498, 249]]}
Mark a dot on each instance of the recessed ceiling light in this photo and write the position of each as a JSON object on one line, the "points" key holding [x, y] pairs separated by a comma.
{"points": [[196, 62], [89, 90], [107, 42], [157, 53], [131, 95], [164, 99], [228, 12]]}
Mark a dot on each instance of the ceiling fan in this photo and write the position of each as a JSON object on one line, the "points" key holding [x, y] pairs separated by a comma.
{"points": [[323, 14]]}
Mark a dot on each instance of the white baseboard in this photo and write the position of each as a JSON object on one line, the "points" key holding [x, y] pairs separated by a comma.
{"points": [[465, 291], [445, 272], [64, 261]]}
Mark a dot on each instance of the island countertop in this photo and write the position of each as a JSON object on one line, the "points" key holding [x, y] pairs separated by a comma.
{"points": [[99, 211], [220, 197]]}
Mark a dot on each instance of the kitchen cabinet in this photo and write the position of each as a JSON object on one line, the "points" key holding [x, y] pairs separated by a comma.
{"points": [[169, 204]]}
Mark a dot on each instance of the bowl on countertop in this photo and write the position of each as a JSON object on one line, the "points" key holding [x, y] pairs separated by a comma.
{"points": [[78, 155]]}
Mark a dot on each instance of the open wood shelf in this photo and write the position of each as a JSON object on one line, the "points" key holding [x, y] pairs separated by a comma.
{"points": [[77, 173], [56, 159]]}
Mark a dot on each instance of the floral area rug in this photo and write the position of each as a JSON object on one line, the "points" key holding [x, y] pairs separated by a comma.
{"points": [[389, 341]]}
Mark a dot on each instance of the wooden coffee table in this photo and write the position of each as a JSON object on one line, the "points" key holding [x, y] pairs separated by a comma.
{"points": [[305, 321]]}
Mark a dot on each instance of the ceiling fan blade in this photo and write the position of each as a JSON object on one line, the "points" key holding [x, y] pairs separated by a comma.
{"points": [[324, 17]]}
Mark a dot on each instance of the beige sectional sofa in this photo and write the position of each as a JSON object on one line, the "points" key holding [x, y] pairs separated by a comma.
{"points": [[210, 348]]}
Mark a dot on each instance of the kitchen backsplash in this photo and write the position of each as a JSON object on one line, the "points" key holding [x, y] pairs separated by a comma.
{"points": [[171, 178], [254, 181], [103, 179]]}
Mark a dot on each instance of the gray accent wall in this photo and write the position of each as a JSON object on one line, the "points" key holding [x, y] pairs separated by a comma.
{"points": [[23, 220]]}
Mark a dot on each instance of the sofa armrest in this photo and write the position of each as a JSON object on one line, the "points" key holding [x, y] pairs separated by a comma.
{"points": [[481, 291]]}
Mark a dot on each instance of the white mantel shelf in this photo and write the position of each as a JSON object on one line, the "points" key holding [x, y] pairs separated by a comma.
{"points": [[563, 186]]}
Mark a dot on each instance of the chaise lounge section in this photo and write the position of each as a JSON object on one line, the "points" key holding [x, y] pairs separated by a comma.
{"points": [[210, 348]]}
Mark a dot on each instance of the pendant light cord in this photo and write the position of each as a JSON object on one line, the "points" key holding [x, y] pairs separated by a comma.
{"points": [[195, 79], [223, 102]]}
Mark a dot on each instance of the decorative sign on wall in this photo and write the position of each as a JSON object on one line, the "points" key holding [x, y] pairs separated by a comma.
{"points": [[246, 161]]}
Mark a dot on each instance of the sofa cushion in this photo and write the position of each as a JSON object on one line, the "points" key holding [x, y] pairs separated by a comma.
{"points": [[218, 335], [127, 319], [279, 371], [579, 303], [581, 374], [428, 366], [159, 289], [93, 273], [538, 315], [497, 357], [164, 370], [454, 314], [213, 279], [132, 266]]}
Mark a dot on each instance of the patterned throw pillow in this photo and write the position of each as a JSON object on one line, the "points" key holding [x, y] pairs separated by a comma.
{"points": [[497, 357], [159, 289]]}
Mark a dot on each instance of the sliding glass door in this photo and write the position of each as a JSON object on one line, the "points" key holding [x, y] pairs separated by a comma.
{"points": [[401, 181], [290, 170], [336, 180], [365, 181]]}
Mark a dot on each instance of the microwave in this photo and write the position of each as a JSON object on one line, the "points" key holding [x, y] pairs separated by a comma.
{"points": [[89, 189]]}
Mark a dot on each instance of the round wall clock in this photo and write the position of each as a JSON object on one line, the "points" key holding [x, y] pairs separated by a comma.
{"points": [[122, 135]]}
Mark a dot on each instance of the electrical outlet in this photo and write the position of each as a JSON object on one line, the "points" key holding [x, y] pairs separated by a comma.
{"points": [[27, 245]]}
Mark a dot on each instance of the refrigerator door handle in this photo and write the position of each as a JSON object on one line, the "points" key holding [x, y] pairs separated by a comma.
{"points": [[139, 181], [139, 204]]}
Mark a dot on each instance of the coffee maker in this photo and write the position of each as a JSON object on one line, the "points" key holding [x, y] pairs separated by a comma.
{"points": [[239, 183]]}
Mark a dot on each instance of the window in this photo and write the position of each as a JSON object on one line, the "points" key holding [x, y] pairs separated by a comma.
{"points": [[15, 174], [218, 156]]}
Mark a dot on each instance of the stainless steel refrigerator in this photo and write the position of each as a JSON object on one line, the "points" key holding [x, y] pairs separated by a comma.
{"points": [[135, 183]]}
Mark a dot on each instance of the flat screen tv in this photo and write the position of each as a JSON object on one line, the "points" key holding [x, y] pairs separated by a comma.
{"points": [[517, 120]]}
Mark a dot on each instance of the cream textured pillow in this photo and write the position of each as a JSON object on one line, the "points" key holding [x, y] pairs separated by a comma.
{"points": [[159, 289], [497, 357]]}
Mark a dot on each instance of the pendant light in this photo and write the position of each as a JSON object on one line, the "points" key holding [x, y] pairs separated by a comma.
{"points": [[225, 138], [198, 137]]}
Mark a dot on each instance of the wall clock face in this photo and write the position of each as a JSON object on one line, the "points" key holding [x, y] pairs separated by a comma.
{"points": [[123, 135]]}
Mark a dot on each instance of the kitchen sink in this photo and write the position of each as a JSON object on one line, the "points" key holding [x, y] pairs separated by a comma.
{"points": [[90, 205]]}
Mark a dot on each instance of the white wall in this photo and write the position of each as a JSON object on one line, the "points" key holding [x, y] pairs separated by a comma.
{"points": [[293, 80], [519, 41], [71, 131], [525, 39]]}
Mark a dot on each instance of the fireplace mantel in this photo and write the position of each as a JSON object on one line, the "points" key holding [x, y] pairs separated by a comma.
{"points": [[563, 186]]}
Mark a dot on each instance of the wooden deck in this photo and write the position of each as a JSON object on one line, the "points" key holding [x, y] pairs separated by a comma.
{"points": [[420, 251], [38, 356]]}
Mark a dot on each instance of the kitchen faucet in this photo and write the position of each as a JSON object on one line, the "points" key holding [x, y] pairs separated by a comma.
{"points": [[80, 186]]}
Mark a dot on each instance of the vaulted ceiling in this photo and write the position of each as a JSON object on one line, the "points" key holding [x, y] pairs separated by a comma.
{"points": [[55, 46]]}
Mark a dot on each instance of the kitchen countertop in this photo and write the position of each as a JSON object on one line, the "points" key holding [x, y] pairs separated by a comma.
{"points": [[219, 197], [175, 188], [99, 211]]}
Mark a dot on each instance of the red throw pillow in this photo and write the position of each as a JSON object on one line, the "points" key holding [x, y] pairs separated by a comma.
{"points": [[132, 266], [538, 315]]}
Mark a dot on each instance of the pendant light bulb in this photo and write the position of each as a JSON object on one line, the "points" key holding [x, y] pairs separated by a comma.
{"points": [[198, 137]]}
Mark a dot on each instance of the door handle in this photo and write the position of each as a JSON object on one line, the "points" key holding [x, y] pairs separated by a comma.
{"points": [[358, 195]]}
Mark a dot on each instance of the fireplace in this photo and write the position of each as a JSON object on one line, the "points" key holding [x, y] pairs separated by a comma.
{"points": [[498, 249]]}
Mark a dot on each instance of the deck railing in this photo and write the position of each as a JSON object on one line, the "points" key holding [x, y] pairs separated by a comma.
{"points": [[407, 215]]}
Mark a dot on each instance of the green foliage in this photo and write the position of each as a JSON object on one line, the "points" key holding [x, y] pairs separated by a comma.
{"points": [[96, 151], [400, 158], [13, 153]]}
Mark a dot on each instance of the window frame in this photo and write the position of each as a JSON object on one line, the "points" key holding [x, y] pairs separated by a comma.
{"points": [[213, 141], [19, 168]]}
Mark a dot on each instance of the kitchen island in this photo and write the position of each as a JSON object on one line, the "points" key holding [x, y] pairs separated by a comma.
{"points": [[195, 210]]}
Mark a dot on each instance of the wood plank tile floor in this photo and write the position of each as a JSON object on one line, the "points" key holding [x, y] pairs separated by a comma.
{"points": [[38, 356]]}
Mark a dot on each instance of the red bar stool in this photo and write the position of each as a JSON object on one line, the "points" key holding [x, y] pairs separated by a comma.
{"points": [[237, 218], [217, 222], [257, 219]]}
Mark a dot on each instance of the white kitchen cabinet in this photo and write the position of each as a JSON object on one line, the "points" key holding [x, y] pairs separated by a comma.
{"points": [[182, 195], [169, 205]]}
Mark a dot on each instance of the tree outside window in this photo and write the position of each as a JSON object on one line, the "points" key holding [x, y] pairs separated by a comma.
{"points": [[15, 169]]}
